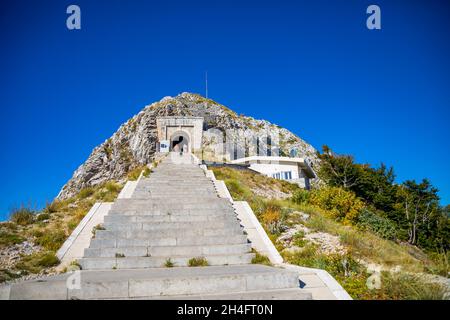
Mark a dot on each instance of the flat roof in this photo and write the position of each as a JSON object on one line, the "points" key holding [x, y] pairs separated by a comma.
{"points": [[269, 159], [178, 117]]}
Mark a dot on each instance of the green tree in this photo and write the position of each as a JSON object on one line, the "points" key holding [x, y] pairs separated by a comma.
{"points": [[376, 187], [338, 170], [373, 185], [419, 204]]}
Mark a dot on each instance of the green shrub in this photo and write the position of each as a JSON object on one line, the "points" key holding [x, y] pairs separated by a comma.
{"points": [[7, 238], [440, 263], [97, 227], [198, 262], [261, 259], [147, 172], [43, 216], [379, 225], [340, 203], [169, 263], [134, 174], [35, 262], [11, 226], [86, 192], [48, 260], [344, 268], [72, 224], [300, 196], [54, 207], [7, 275], [108, 192], [22, 216], [298, 239], [112, 186], [237, 190], [51, 239], [405, 286], [336, 264], [318, 222]]}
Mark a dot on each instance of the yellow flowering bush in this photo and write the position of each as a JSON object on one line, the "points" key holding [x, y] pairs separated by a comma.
{"points": [[339, 203]]}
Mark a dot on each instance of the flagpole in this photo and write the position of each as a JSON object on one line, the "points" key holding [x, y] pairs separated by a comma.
{"points": [[206, 84]]}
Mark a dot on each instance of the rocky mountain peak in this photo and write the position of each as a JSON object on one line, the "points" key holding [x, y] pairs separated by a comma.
{"points": [[134, 143]]}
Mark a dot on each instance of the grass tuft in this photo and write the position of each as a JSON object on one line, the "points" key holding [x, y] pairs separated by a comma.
{"points": [[22, 216], [169, 263], [261, 259], [198, 262]]}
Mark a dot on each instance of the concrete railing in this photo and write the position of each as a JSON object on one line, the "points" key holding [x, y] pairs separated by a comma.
{"points": [[73, 247], [80, 238], [255, 232]]}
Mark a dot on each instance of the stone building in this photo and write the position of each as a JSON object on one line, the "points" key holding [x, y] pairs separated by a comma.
{"points": [[296, 170], [179, 133]]}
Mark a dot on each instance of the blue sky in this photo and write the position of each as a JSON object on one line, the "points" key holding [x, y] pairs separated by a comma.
{"points": [[310, 66]]}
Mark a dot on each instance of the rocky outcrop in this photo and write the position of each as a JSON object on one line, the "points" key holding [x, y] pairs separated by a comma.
{"points": [[134, 143]]}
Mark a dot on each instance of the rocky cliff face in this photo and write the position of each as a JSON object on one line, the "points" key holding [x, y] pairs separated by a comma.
{"points": [[134, 143]]}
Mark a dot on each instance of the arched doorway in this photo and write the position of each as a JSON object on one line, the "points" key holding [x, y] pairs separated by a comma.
{"points": [[179, 141]]}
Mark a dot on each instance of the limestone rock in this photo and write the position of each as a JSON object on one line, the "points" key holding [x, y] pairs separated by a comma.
{"points": [[10, 255], [327, 243]]}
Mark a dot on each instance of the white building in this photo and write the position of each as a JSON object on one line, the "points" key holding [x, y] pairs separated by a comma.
{"points": [[296, 170]]}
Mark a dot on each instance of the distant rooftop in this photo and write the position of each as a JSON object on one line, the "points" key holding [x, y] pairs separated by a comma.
{"points": [[303, 163]]}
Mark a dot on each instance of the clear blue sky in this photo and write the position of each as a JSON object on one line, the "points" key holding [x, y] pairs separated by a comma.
{"points": [[310, 66]]}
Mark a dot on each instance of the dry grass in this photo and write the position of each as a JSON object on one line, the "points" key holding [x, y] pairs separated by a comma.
{"points": [[61, 218], [253, 181]]}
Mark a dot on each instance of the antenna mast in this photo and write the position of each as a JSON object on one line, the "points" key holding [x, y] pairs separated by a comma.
{"points": [[206, 84]]}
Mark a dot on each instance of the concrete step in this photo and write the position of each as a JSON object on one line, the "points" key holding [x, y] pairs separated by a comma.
{"points": [[174, 212], [168, 207], [229, 282], [182, 181], [162, 226], [166, 233], [198, 181], [174, 240], [216, 282], [171, 174], [175, 195], [277, 294], [155, 202], [175, 184], [176, 171], [168, 251], [157, 180], [158, 262], [165, 186], [123, 218]]}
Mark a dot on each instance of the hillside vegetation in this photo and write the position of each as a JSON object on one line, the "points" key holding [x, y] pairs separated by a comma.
{"points": [[333, 228], [29, 241]]}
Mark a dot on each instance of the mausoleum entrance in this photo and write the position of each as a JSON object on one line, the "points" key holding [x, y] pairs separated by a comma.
{"points": [[177, 133], [179, 141]]}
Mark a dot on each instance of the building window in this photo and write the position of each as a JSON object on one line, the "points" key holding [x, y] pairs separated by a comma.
{"points": [[284, 175], [287, 175]]}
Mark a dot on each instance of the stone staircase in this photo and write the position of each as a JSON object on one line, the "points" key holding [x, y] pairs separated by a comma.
{"points": [[173, 216]]}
